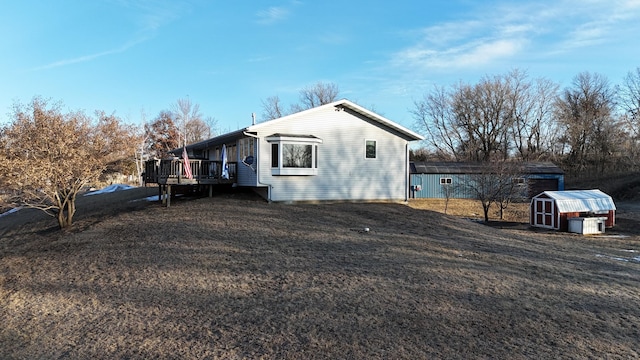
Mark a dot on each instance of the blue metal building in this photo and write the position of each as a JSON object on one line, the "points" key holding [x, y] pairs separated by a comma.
{"points": [[434, 179]]}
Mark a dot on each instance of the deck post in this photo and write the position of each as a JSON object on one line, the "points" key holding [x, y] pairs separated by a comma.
{"points": [[210, 190], [168, 195]]}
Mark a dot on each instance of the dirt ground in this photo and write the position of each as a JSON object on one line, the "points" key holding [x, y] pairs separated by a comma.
{"points": [[233, 277]]}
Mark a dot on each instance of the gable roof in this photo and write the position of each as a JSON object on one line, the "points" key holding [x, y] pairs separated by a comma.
{"points": [[345, 104], [450, 167], [580, 200]]}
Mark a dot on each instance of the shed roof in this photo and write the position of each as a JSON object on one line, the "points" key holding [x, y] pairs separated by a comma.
{"points": [[580, 200], [450, 167]]}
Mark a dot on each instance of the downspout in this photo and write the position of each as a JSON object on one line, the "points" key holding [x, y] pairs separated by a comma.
{"points": [[269, 186], [406, 172]]}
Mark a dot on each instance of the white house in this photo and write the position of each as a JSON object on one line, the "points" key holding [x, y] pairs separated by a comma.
{"points": [[335, 152]]}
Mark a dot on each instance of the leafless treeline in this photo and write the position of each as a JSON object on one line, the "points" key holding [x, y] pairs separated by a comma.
{"points": [[590, 127]]}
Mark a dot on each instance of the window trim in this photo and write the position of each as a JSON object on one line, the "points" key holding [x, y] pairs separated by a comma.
{"points": [[302, 140]]}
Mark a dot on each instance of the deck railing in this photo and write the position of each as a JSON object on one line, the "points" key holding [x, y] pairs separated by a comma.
{"points": [[203, 171]]}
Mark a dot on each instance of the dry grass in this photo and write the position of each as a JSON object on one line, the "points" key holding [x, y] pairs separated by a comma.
{"points": [[233, 277], [472, 209]]}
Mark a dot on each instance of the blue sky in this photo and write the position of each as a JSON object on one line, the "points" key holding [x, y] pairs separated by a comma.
{"points": [[132, 56]]}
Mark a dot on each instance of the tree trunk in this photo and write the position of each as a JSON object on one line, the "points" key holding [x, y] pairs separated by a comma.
{"points": [[485, 208], [66, 212]]}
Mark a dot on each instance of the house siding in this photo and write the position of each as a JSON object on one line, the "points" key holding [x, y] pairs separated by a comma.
{"points": [[343, 171]]}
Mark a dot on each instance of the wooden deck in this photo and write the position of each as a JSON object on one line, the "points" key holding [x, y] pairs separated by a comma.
{"points": [[168, 173], [171, 172]]}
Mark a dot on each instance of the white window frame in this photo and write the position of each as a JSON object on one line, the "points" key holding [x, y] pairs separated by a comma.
{"points": [[446, 181], [281, 140], [375, 146]]}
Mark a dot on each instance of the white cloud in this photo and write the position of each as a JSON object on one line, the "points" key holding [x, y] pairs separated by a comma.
{"points": [[85, 58], [467, 55], [506, 31], [599, 22]]}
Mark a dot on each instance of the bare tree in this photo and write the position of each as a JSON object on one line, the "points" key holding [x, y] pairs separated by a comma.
{"points": [[533, 130], [423, 154], [434, 114], [484, 113], [310, 97], [189, 120], [500, 116], [197, 130], [495, 185], [122, 160], [212, 126], [162, 134], [629, 95], [585, 113], [47, 157], [272, 108], [318, 94], [142, 150], [630, 98], [472, 122], [448, 190]]}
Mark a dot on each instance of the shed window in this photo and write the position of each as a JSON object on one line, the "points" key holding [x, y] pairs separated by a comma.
{"points": [[294, 154], [446, 181]]}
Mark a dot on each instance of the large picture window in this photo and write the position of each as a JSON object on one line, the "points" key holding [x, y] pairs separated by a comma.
{"points": [[297, 155], [294, 154]]}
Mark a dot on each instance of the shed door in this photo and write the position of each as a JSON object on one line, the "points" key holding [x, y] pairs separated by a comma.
{"points": [[544, 212]]}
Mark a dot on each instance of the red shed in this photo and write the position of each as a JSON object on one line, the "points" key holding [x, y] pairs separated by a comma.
{"points": [[552, 209]]}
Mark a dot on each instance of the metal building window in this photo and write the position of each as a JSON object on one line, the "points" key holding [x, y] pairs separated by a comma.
{"points": [[446, 181]]}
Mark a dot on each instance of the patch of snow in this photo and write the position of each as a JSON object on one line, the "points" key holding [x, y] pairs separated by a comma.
{"points": [[619, 258], [150, 198], [630, 250], [110, 189], [610, 236], [10, 211]]}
